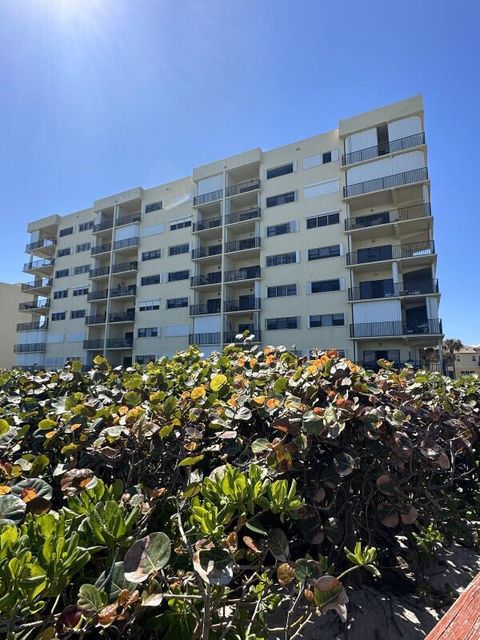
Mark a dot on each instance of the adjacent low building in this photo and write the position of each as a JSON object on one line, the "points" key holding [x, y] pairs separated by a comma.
{"points": [[326, 242], [11, 297], [467, 361]]}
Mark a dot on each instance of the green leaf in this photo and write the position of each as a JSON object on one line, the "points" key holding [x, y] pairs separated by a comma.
{"points": [[278, 544], [146, 556], [114, 582], [189, 462], [4, 427], [46, 424], [12, 509], [260, 444], [91, 599], [132, 398], [218, 381]]}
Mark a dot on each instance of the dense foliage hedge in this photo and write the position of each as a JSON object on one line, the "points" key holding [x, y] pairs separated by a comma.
{"points": [[191, 497]]}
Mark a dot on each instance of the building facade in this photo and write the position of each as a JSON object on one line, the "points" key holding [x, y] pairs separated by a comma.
{"points": [[467, 361], [11, 296], [322, 243]]}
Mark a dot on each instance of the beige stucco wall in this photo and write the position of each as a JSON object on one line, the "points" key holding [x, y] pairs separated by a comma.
{"points": [[10, 297]]}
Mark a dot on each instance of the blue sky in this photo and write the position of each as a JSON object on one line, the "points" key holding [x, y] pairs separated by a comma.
{"points": [[98, 96]]}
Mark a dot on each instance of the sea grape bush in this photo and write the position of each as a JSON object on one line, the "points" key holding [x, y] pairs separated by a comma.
{"points": [[192, 497]]}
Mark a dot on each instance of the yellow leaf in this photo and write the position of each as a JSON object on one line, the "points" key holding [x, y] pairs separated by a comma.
{"points": [[198, 392], [4, 489], [259, 400], [218, 382]]}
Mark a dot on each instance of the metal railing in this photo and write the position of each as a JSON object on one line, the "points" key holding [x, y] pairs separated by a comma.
{"points": [[125, 266], [33, 347], [132, 217], [97, 295], [99, 271], [102, 226], [241, 245], [388, 217], [128, 242], [34, 304], [110, 343], [204, 338], [391, 146], [101, 248], [205, 198], [38, 264], [395, 328], [123, 291], [415, 364], [243, 187], [205, 309], [96, 319], [32, 326], [238, 338], [243, 216], [388, 182], [208, 278], [202, 225], [37, 284], [252, 304], [397, 252], [247, 273], [396, 289], [121, 316], [41, 244], [205, 252]]}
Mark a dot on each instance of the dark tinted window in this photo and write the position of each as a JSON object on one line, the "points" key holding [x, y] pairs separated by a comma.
{"points": [[280, 171]]}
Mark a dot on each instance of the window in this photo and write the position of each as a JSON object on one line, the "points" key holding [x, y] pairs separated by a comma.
{"points": [[180, 223], [173, 276], [66, 232], [80, 291], [324, 252], [60, 294], [148, 332], [153, 206], [376, 288], [327, 320], [322, 286], [60, 315], [280, 229], [83, 268], [145, 359], [372, 254], [323, 220], [280, 171], [62, 273], [78, 313], [382, 217], [322, 158], [281, 290], [283, 198], [275, 324], [321, 189], [281, 258], [149, 305], [370, 357], [176, 303], [152, 255], [85, 226], [85, 246], [178, 249], [326, 157], [63, 252], [151, 280]]}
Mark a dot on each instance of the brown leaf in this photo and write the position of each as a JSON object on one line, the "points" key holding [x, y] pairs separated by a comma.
{"points": [[250, 543], [285, 574]]}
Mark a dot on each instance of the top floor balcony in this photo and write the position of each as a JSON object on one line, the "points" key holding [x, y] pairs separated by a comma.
{"points": [[39, 285], [242, 187], [391, 146], [387, 182], [131, 218], [45, 247]]}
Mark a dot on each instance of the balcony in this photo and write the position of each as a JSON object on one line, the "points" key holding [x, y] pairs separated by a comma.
{"points": [[102, 226], [111, 343], [206, 252], [204, 225], [101, 248], [35, 305], [391, 252], [124, 292], [395, 290], [404, 214], [101, 294], [40, 285], [427, 366], [388, 182], [44, 247], [204, 338], [121, 316], [39, 266], [205, 198], [130, 219], [33, 347], [96, 319], [206, 279], [205, 309], [392, 146], [242, 187], [124, 266], [247, 273], [230, 337], [243, 216], [125, 244], [244, 304], [243, 245], [99, 272], [395, 328], [32, 326]]}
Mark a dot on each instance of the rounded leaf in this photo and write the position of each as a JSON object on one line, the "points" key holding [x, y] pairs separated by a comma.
{"points": [[32, 488], [218, 381], [146, 556], [12, 509], [285, 574], [4, 427], [408, 514], [386, 485]]}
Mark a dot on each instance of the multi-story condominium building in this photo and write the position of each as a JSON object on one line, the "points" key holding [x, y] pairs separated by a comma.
{"points": [[322, 243], [11, 295]]}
